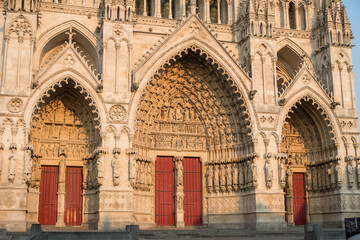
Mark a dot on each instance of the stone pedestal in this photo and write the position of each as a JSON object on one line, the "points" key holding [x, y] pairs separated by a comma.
{"points": [[179, 204]]}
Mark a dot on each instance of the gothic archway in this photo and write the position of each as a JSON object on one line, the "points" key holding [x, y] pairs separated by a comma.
{"points": [[64, 137], [190, 109], [309, 163]]}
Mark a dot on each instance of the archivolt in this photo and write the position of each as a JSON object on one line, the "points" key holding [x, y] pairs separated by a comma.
{"points": [[203, 85], [74, 89]]}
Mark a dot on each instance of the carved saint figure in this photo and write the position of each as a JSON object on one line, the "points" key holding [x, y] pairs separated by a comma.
{"points": [[234, 172], [268, 173], [28, 165], [282, 172], [12, 165], [289, 174], [358, 171], [209, 178], [216, 178], [308, 178], [228, 178], [115, 164], [339, 174], [222, 178], [133, 169], [100, 169], [332, 175], [350, 172], [142, 174], [241, 175], [180, 202], [254, 172], [62, 171], [179, 173]]}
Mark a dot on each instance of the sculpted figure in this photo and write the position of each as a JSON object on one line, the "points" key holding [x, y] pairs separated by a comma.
{"points": [[254, 172], [308, 178], [216, 178], [249, 173], [12, 165], [289, 174], [315, 179], [282, 173], [142, 174], [179, 173], [180, 202], [228, 178], [137, 178], [332, 175], [241, 176], [133, 170], [268, 173], [209, 178], [100, 169], [1, 158], [28, 165], [115, 164], [234, 172], [148, 174], [339, 174], [222, 178], [62, 171], [350, 171]]}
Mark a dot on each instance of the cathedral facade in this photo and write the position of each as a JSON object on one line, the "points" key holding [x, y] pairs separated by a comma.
{"points": [[177, 113]]}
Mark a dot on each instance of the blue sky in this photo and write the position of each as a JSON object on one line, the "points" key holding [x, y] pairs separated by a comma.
{"points": [[353, 11]]}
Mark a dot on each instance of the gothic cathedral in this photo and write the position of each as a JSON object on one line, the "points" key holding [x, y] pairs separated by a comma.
{"points": [[177, 113]]}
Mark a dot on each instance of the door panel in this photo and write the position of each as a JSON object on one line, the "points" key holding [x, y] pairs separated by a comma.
{"points": [[299, 199], [73, 196], [164, 191], [192, 192], [48, 195]]}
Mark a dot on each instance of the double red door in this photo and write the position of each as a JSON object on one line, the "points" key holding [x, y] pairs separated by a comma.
{"points": [[165, 191], [299, 208], [48, 195]]}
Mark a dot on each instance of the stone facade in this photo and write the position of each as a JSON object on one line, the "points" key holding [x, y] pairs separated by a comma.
{"points": [[258, 90]]}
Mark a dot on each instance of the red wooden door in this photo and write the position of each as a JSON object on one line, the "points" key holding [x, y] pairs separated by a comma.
{"points": [[73, 196], [192, 192], [299, 199], [48, 195], [164, 191]]}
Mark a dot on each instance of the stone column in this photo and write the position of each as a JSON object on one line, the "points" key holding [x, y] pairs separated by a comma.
{"points": [[61, 192], [289, 197], [179, 192], [3, 80]]}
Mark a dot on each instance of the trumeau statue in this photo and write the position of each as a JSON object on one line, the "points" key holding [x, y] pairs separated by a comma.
{"points": [[179, 173], [12, 165]]}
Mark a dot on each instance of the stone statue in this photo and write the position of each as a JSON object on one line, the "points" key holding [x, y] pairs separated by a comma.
{"points": [[248, 173], [268, 173], [332, 175], [180, 202], [241, 175], [289, 174], [308, 179], [282, 173], [27, 165], [209, 178], [12, 165], [115, 164], [254, 172], [350, 172], [339, 174], [148, 175], [133, 170], [62, 173], [216, 178], [222, 178], [142, 174], [100, 169], [179, 173], [315, 179], [235, 175], [228, 178]]}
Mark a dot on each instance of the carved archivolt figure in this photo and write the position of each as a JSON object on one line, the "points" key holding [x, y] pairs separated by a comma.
{"points": [[12, 165], [179, 173], [28, 164], [350, 171], [115, 163], [209, 178], [339, 174], [282, 173], [268, 173]]}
